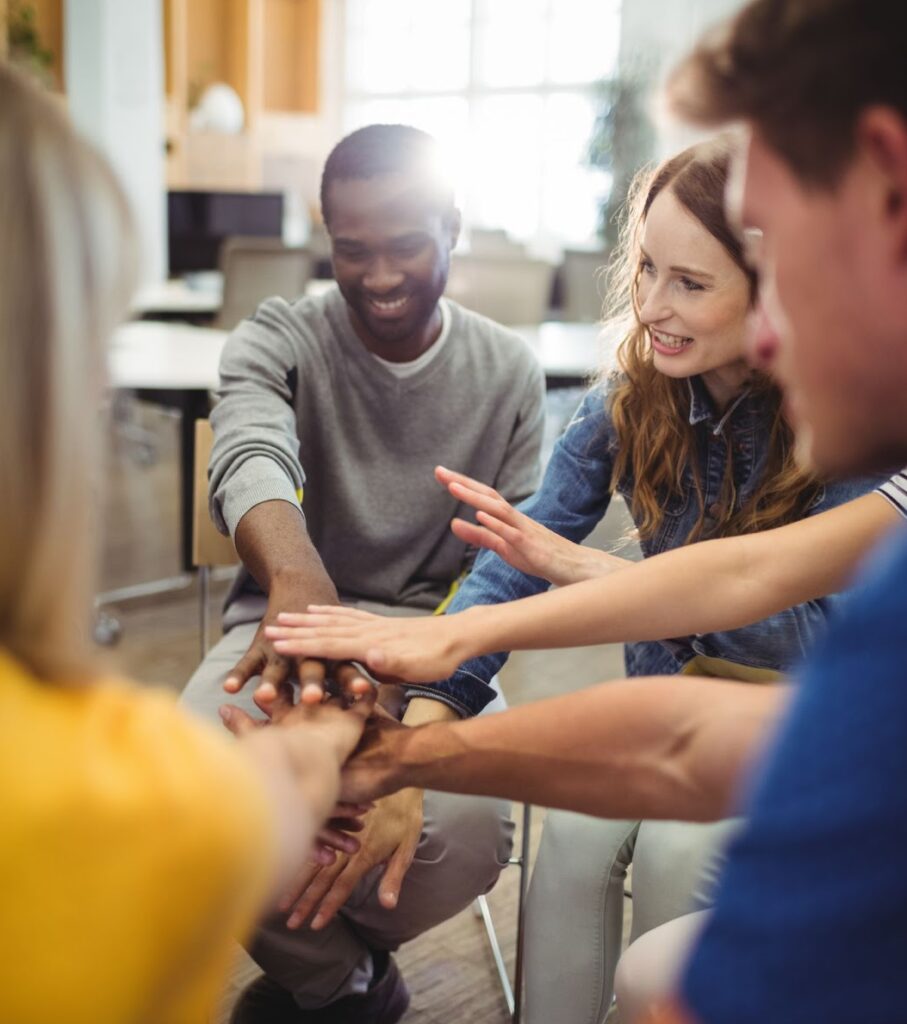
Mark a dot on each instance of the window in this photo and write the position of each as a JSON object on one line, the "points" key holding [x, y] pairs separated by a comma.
{"points": [[506, 88]]}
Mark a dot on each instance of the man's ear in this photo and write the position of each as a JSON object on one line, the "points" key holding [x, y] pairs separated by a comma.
{"points": [[453, 222], [882, 138]]}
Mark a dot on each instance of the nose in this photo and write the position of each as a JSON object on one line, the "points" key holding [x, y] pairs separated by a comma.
{"points": [[652, 301], [382, 276], [762, 341]]}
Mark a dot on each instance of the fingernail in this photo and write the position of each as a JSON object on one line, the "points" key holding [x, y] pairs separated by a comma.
{"points": [[391, 899], [294, 921], [317, 922], [224, 714]]}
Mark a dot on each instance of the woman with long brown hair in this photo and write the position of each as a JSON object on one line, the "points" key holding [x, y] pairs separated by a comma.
{"points": [[698, 446]]}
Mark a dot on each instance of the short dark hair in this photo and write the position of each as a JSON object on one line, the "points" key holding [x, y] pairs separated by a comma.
{"points": [[800, 71], [380, 149]]}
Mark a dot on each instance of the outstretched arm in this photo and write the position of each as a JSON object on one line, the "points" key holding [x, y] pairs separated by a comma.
{"points": [[638, 748], [708, 587]]}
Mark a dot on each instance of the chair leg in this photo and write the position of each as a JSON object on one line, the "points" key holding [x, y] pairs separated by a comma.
{"points": [[521, 915], [484, 910], [513, 995], [203, 608]]}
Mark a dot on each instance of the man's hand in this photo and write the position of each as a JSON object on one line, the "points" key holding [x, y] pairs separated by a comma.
{"points": [[279, 671], [390, 836]]}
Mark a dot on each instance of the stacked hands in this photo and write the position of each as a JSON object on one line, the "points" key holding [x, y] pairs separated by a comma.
{"points": [[375, 822]]}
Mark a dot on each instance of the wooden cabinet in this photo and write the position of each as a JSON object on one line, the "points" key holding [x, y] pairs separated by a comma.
{"points": [[267, 50]]}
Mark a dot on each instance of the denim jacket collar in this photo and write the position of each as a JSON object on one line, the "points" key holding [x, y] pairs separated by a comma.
{"points": [[702, 408]]}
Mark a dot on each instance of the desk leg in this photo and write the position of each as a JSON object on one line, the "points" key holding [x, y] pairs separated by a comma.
{"points": [[194, 407]]}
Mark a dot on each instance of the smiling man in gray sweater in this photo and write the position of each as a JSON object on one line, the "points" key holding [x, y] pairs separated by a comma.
{"points": [[331, 415]]}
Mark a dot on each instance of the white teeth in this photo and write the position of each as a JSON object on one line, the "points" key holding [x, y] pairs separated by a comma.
{"points": [[670, 340], [387, 306]]}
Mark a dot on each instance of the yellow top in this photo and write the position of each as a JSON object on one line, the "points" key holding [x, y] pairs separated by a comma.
{"points": [[134, 846]]}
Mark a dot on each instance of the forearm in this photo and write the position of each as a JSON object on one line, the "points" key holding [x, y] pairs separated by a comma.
{"points": [[708, 587], [654, 748], [275, 547]]}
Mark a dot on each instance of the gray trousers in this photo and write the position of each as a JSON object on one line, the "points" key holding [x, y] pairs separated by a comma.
{"points": [[575, 910], [465, 842]]}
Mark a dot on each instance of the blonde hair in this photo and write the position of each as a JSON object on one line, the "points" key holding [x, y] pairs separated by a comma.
{"points": [[656, 445], [67, 269]]}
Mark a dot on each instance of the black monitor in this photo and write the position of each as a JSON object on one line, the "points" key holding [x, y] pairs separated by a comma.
{"points": [[198, 222]]}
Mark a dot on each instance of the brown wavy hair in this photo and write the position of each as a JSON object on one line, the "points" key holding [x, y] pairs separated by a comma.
{"points": [[650, 411]]}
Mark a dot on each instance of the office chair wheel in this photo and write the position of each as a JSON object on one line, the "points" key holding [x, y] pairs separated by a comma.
{"points": [[107, 630]]}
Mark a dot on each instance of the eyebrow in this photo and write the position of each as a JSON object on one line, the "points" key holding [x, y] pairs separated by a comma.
{"points": [[692, 271]]}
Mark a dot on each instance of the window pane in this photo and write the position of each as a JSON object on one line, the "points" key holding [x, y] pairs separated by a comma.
{"points": [[505, 164], [584, 40], [571, 191], [510, 40], [393, 46]]}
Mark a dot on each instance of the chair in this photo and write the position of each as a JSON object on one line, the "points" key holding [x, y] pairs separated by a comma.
{"points": [[513, 995], [511, 290], [255, 269], [583, 284], [209, 546]]}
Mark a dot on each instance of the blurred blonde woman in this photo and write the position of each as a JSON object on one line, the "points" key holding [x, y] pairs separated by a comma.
{"points": [[134, 843]]}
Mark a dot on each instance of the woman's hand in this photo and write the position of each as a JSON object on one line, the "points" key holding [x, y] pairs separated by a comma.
{"points": [[519, 540], [417, 650]]}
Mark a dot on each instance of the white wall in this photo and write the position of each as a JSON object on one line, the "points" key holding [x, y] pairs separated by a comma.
{"points": [[114, 80]]}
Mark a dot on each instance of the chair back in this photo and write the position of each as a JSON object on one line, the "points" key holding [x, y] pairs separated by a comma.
{"points": [[256, 269], [510, 290], [584, 284], [209, 546]]}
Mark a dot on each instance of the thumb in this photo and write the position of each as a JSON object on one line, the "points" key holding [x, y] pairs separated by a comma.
{"points": [[392, 879], [236, 720]]}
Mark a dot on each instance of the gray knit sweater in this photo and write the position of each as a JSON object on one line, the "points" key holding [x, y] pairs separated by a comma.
{"points": [[303, 406]]}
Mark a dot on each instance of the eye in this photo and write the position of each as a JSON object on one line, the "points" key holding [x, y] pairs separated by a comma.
{"points": [[646, 266], [689, 285]]}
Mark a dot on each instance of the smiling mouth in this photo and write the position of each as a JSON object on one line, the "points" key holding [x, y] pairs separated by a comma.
{"points": [[389, 306], [674, 342]]}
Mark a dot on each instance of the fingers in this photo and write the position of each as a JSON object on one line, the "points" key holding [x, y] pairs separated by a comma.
{"points": [[311, 895], [340, 891], [237, 721], [337, 839], [446, 477], [334, 611], [493, 504], [312, 675], [300, 883], [477, 536], [249, 665], [352, 683], [397, 866], [275, 701]]}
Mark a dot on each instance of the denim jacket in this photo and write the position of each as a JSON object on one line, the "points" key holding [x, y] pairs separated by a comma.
{"points": [[575, 494]]}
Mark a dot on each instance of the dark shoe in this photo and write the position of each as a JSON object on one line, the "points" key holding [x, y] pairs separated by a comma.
{"points": [[385, 1002]]}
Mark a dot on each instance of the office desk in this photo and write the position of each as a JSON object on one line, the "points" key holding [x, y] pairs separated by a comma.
{"points": [[178, 300], [174, 365], [170, 300], [569, 352]]}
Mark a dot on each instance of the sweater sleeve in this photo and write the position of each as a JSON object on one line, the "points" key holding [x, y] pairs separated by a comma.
{"points": [[256, 448], [572, 499]]}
